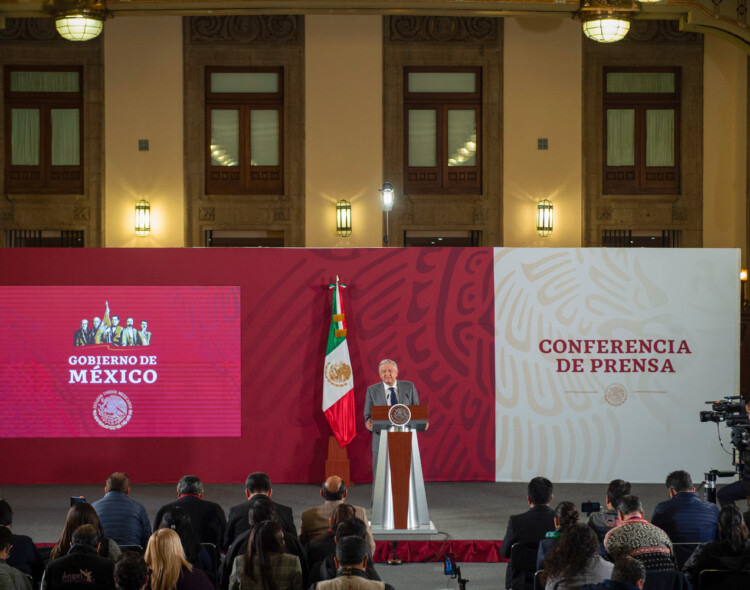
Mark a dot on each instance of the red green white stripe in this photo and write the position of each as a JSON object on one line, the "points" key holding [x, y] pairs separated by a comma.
{"points": [[338, 382]]}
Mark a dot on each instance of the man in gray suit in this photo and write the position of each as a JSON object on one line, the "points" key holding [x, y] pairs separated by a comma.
{"points": [[387, 393]]}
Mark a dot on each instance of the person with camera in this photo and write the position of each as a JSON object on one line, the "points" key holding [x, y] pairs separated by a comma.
{"points": [[739, 490]]}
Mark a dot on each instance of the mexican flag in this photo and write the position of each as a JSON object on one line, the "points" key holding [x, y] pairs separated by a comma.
{"points": [[338, 384]]}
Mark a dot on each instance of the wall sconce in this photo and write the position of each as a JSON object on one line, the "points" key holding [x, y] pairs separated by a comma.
{"points": [[142, 218], [544, 225], [743, 281], [344, 218], [78, 20]]}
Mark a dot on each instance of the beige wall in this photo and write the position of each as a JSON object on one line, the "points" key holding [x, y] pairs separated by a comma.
{"points": [[343, 127], [724, 146], [542, 94], [143, 100]]}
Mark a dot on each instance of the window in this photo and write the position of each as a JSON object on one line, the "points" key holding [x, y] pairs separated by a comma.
{"points": [[43, 117], [642, 131], [629, 238], [442, 118], [33, 238], [244, 239], [244, 115]]}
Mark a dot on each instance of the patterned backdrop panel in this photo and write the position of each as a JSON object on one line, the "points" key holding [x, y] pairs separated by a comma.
{"points": [[605, 357], [431, 310]]}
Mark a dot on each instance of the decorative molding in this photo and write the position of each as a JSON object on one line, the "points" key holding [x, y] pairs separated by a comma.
{"points": [[604, 213], [660, 31], [31, 29], [444, 29], [679, 213], [278, 29], [82, 213], [206, 214]]}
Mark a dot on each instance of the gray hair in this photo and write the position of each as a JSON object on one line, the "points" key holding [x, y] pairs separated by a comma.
{"points": [[190, 484], [388, 362]]}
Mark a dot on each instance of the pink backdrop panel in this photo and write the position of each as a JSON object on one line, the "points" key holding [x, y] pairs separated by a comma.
{"points": [[429, 309]]}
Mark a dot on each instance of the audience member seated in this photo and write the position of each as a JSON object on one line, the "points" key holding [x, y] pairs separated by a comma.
{"points": [[131, 571], [566, 516], [256, 484], [325, 546], [25, 556], [20, 581], [604, 521], [124, 520], [326, 569], [178, 520], [265, 564], [575, 560], [636, 537], [530, 526], [261, 509], [81, 513], [82, 568], [351, 561], [168, 566], [730, 552], [315, 521], [207, 518], [685, 517], [628, 574], [6, 582]]}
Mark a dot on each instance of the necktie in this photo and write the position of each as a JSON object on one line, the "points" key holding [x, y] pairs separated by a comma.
{"points": [[394, 399]]}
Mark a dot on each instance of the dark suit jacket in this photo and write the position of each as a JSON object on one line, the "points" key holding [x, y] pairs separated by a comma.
{"points": [[209, 522], [25, 557], [406, 394], [80, 569], [238, 523], [529, 527]]}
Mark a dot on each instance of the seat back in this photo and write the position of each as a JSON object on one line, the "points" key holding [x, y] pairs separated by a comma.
{"points": [[665, 580], [523, 565], [723, 580], [682, 552]]}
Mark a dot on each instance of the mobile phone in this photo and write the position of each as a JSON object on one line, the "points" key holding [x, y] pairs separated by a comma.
{"points": [[449, 564], [74, 499]]}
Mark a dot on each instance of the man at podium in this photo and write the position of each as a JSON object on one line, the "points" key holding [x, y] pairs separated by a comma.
{"points": [[388, 392]]}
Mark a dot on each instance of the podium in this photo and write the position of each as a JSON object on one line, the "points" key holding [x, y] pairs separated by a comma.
{"points": [[399, 499]]}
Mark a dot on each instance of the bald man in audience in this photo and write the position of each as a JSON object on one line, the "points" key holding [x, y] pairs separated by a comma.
{"points": [[316, 521]]}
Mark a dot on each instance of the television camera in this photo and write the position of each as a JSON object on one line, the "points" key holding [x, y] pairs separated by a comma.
{"points": [[730, 410]]}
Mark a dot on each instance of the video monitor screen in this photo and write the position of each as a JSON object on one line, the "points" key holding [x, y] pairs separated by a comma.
{"points": [[120, 361]]}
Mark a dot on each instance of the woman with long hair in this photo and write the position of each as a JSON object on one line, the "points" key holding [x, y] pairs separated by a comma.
{"points": [[265, 566], [730, 552], [178, 519], [169, 568], [575, 560], [81, 513], [566, 515]]}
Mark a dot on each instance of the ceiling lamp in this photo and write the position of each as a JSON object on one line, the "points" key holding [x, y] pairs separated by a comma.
{"points": [[607, 21], [78, 20]]}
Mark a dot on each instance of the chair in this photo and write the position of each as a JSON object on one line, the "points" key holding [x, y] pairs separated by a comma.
{"points": [[682, 552], [523, 565], [538, 580], [136, 548], [723, 580], [213, 553], [665, 580]]}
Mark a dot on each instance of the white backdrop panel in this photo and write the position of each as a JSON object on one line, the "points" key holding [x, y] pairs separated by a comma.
{"points": [[624, 411]]}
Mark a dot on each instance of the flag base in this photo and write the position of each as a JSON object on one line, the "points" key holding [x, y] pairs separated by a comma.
{"points": [[338, 461]]}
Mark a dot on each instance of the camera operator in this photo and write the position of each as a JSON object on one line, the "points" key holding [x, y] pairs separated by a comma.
{"points": [[738, 490]]}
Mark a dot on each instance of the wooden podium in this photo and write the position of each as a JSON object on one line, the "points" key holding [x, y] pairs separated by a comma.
{"points": [[399, 499]]}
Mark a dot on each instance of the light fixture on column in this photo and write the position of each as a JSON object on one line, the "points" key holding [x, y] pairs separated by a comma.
{"points": [[544, 225], [344, 218], [607, 21], [78, 20], [388, 197], [743, 282], [142, 218]]}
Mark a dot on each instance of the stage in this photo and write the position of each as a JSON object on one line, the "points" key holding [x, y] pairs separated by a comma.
{"points": [[464, 513]]}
